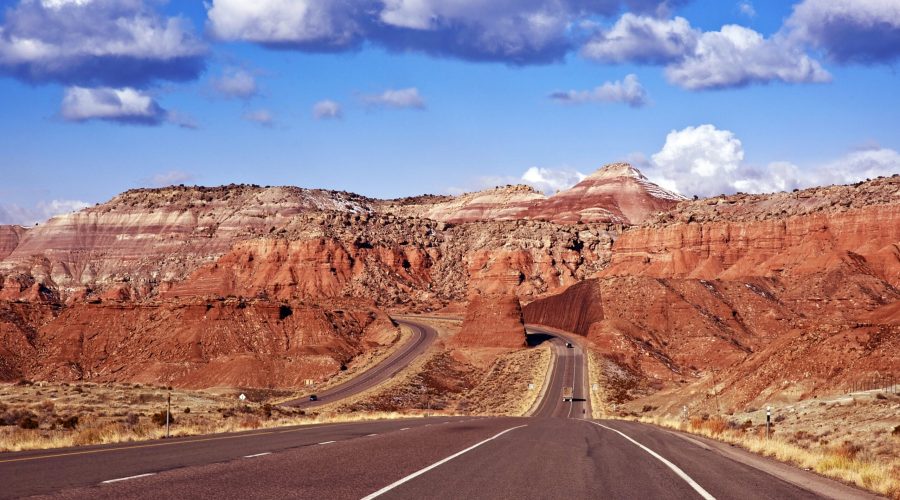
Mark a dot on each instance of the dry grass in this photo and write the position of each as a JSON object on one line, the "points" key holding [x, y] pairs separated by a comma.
{"points": [[846, 462], [504, 390], [110, 413], [599, 404]]}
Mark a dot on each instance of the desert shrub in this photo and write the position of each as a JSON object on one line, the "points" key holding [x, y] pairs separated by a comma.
{"points": [[847, 450], [880, 396], [160, 418], [132, 419], [29, 423], [284, 311], [267, 410], [24, 382], [15, 416], [696, 423], [716, 425], [251, 422], [648, 408], [187, 410], [68, 422], [747, 424], [896, 431]]}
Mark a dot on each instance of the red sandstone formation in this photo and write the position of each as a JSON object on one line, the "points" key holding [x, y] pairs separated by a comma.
{"points": [[186, 285], [761, 293], [492, 320], [617, 193], [9, 239]]}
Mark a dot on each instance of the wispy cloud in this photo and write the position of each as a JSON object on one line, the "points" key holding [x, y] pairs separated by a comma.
{"points": [[399, 99], [262, 117], [236, 83], [327, 110], [40, 212], [628, 91]]}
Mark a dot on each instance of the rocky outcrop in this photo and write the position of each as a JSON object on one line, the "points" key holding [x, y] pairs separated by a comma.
{"points": [[791, 245], [615, 194], [492, 320], [193, 343], [149, 236], [9, 239]]}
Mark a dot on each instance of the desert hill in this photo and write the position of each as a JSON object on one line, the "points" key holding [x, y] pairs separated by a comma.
{"points": [[273, 286]]}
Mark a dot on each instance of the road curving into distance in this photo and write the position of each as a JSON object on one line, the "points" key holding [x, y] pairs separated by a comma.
{"points": [[557, 453], [422, 338]]}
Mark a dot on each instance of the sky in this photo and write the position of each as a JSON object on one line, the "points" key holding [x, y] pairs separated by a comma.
{"points": [[391, 98]]}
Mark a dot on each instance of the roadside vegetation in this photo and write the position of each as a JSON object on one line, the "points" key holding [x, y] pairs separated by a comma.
{"points": [[846, 461], [852, 438], [42, 415]]}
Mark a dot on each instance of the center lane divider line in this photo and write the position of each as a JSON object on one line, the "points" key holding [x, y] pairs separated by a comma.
{"points": [[258, 454], [418, 473], [327, 442], [688, 479]]}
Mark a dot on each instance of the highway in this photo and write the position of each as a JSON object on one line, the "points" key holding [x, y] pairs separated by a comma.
{"points": [[422, 337], [557, 453]]}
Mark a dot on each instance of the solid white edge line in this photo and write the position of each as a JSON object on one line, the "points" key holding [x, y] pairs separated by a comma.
{"points": [[370, 435], [127, 478], [418, 473], [258, 454], [688, 479], [327, 442]]}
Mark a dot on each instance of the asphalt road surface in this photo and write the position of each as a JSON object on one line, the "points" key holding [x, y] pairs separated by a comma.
{"points": [[558, 453], [423, 336]]}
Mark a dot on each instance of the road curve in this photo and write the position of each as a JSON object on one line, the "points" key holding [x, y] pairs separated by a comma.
{"points": [[423, 337], [556, 454]]}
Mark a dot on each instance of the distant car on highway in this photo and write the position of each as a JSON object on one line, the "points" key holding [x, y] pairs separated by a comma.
{"points": [[313, 397], [569, 345]]}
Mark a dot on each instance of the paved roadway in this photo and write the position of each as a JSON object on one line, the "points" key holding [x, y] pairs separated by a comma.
{"points": [[555, 454], [423, 337]]}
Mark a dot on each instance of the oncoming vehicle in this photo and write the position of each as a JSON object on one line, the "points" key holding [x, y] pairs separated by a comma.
{"points": [[569, 345], [313, 397]]}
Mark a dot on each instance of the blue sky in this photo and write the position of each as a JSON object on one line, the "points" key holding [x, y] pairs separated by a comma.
{"points": [[430, 98]]}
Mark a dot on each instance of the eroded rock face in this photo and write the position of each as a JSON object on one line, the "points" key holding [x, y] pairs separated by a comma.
{"points": [[233, 342], [149, 236], [617, 193], [492, 320], [9, 239], [707, 285]]}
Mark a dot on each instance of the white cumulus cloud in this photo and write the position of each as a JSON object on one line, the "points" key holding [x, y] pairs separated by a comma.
{"points": [[629, 91], [707, 161], [737, 56], [551, 180], [643, 39], [734, 56], [849, 31], [124, 105]]}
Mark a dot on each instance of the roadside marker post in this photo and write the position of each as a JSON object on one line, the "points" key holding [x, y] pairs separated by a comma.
{"points": [[768, 419], [168, 412]]}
